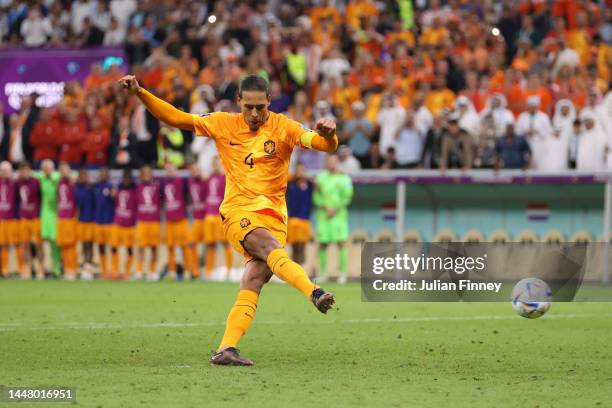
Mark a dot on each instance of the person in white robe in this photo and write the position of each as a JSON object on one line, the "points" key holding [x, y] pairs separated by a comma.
{"points": [[592, 146], [535, 126], [499, 114]]}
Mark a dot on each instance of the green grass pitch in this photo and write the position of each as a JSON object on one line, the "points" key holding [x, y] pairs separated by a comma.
{"points": [[138, 344]]}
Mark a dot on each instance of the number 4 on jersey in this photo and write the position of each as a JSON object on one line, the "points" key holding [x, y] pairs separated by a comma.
{"points": [[249, 160]]}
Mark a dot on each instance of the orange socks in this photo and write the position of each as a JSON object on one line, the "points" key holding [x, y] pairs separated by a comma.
{"points": [[69, 256], [171, 259], [239, 319], [291, 272], [4, 260], [114, 264]]}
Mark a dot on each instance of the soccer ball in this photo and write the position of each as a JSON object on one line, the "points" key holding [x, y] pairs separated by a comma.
{"points": [[531, 298]]}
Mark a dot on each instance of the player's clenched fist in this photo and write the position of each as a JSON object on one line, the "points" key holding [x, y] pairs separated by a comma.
{"points": [[326, 127], [130, 83]]}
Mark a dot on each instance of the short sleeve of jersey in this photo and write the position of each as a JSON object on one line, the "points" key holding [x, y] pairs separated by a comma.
{"points": [[295, 131], [209, 124]]}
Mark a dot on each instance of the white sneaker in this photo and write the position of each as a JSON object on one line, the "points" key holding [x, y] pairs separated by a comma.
{"points": [[153, 277], [137, 277], [342, 279], [321, 279], [86, 275], [69, 278]]}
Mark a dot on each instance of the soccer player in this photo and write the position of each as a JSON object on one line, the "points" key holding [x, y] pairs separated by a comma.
{"points": [[197, 196], [49, 180], [148, 215], [29, 221], [126, 201], [9, 227], [84, 196], [104, 216], [213, 225], [332, 195], [177, 227], [254, 147], [299, 204], [67, 221]]}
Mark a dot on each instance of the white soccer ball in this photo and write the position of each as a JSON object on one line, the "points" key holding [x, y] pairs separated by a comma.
{"points": [[531, 297]]}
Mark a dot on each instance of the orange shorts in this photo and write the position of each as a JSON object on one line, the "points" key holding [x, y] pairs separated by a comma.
{"points": [[177, 232], [196, 232], [298, 230], [66, 231], [148, 233], [103, 233], [29, 230], [238, 224], [9, 232], [213, 229], [85, 231], [122, 236]]}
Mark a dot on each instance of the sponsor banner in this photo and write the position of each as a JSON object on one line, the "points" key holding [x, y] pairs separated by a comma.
{"points": [[477, 272], [46, 71]]}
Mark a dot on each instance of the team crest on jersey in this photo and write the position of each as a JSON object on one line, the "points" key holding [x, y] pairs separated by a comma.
{"points": [[244, 222], [270, 147]]}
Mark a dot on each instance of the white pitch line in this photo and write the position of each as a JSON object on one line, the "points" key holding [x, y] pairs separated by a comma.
{"points": [[141, 325]]}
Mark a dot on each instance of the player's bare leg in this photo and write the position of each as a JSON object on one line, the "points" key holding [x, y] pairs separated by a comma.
{"points": [[262, 245], [298, 252], [38, 260], [241, 316]]}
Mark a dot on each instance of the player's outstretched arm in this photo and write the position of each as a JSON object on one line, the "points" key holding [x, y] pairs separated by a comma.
{"points": [[325, 139], [161, 109]]}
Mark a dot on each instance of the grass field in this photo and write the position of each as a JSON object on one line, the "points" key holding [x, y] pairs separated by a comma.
{"points": [[136, 344]]}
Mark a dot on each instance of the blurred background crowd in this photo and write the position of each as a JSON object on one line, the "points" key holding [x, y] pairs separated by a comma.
{"points": [[411, 84]]}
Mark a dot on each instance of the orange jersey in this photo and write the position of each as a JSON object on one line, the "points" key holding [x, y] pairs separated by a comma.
{"points": [[256, 163]]}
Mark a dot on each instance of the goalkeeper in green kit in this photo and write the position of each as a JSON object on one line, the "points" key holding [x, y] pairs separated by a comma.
{"points": [[332, 195]]}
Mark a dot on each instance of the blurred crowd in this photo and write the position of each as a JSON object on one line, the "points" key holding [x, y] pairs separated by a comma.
{"points": [[411, 84]]}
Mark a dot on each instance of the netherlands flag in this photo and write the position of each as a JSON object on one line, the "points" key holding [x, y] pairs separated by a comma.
{"points": [[538, 211], [388, 211]]}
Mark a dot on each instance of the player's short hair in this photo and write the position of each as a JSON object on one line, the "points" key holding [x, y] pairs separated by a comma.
{"points": [[254, 83]]}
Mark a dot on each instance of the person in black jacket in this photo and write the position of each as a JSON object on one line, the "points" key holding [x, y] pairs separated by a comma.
{"points": [[432, 148]]}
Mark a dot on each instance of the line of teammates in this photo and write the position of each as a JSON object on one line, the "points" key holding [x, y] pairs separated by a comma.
{"points": [[56, 208]]}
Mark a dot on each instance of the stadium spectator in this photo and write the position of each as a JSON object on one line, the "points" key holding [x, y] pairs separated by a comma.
{"points": [[513, 151], [564, 117], [15, 139], [457, 146], [555, 152], [96, 144], [408, 143], [72, 137], [432, 147], [592, 144], [501, 117], [468, 117], [347, 162], [45, 136], [390, 117], [36, 28], [535, 126], [357, 133], [123, 145]]}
